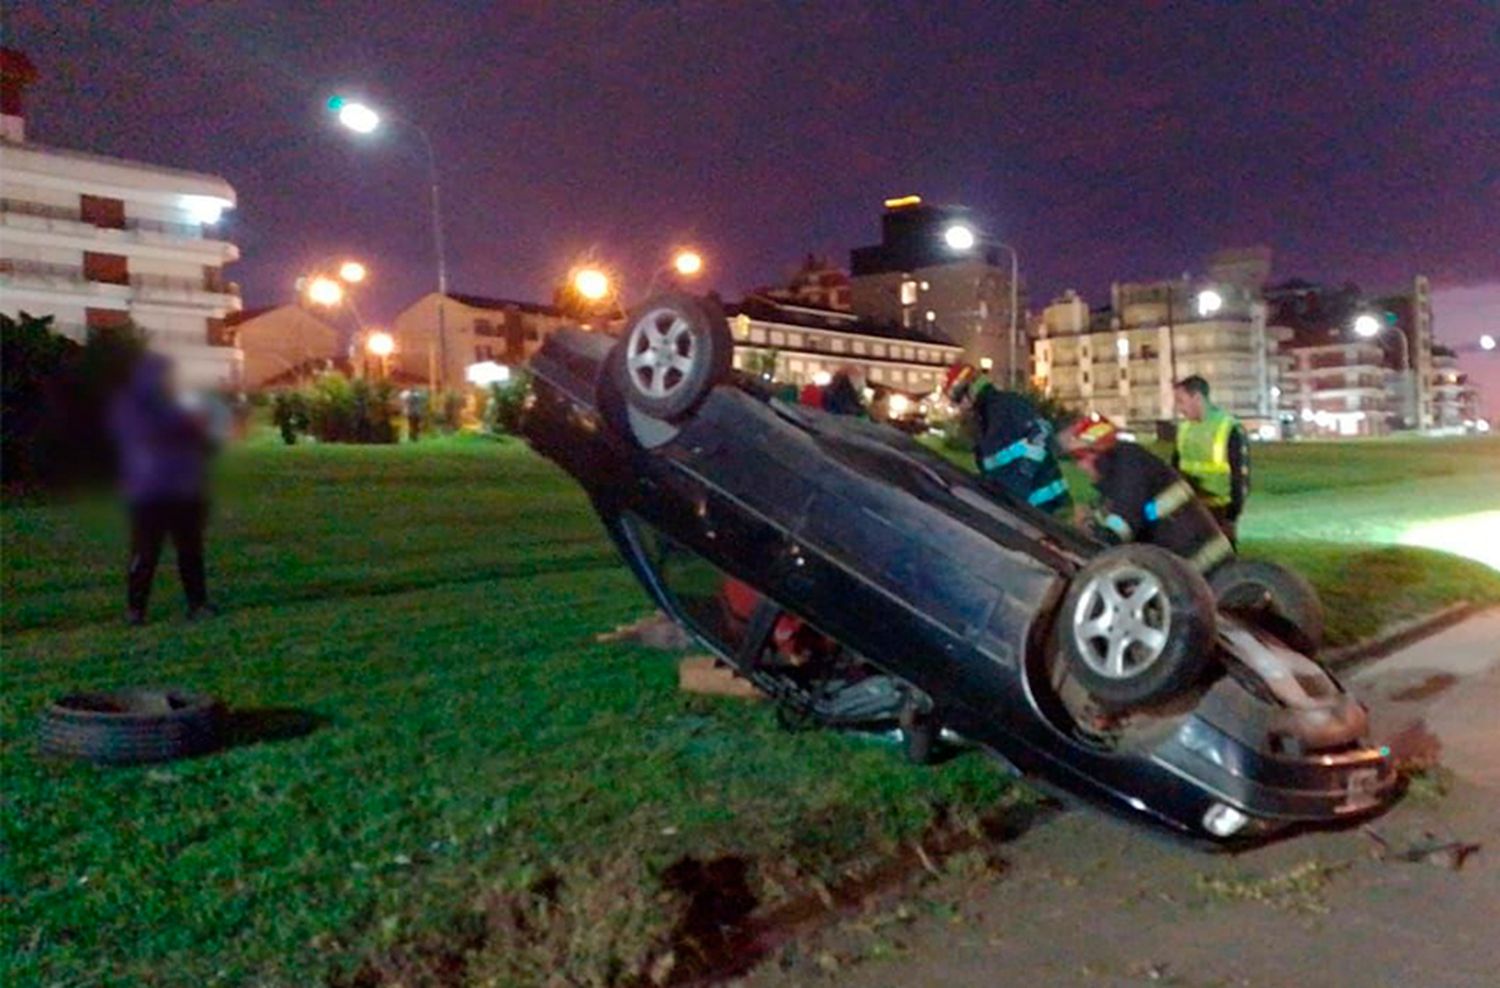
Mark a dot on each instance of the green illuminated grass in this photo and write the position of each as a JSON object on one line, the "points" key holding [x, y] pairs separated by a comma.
{"points": [[436, 607]]}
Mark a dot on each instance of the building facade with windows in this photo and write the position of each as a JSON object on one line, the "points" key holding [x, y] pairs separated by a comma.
{"points": [[1340, 388], [284, 346], [797, 343], [478, 329], [1121, 362], [95, 242], [915, 280]]}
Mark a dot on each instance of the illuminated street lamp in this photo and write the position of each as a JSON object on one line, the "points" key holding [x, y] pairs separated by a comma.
{"points": [[961, 238], [1486, 342], [325, 291], [381, 345], [1369, 327], [362, 119], [591, 283], [687, 263], [352, 272], [1209, 302]]}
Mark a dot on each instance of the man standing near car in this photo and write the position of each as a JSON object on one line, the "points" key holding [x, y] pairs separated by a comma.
{"points": [[1212, 454], [1013, 447], [1142, 499]]}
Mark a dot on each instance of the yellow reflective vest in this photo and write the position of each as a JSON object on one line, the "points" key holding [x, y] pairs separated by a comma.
{"points": [[1203, 454]]}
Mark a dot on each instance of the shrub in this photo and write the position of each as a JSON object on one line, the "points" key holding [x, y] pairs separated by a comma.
{"points": [[340, 410], [56, 395], [506, 402], [289, 413]]}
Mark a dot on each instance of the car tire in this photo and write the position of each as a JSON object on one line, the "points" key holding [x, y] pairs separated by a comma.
{"points": [[1137, 626], [132, 726], [1273, 598], [675, 349]]}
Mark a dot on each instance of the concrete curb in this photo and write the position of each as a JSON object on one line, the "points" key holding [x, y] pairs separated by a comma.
{"points": [[1398, 636]]}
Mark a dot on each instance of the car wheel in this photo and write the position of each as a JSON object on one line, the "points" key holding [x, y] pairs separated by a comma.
{"points": [[676, 349], [1271, 597], [1137, 626], [132, 726]]}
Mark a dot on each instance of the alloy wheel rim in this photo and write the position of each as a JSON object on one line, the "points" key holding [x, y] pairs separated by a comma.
{"points": [[1121, 622], [660, 353]]}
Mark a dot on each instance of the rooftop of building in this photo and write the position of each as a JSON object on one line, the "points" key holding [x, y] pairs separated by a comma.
{"points": [[506, 304], [764, 309], [213, 184]]}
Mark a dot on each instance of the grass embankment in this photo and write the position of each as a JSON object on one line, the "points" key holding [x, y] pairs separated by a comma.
{"points": [[488, 792], [488, 789]]}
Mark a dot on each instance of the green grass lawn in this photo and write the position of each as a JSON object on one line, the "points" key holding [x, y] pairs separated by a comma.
{"points": [[490, 789]]}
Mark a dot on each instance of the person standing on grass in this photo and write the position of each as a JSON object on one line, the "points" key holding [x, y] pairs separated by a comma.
{"points": [[1212, 454], [163, 457]]}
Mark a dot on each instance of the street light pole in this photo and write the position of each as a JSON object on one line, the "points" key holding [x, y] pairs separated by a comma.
{"points": [[1015, 266], [361, 119], [442, 256]]}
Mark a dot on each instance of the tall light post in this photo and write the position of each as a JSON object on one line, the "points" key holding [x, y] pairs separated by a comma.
{"points": [[381, 345], [961, 239], [363, 119], [1369, 327]]}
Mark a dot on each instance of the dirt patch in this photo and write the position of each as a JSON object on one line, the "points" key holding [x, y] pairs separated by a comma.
{"points": [[1430, 686]]}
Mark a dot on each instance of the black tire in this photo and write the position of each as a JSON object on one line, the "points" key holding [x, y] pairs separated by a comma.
{"points": [[132, 726], [1127, 656], [676, 347], [1273, 598]]}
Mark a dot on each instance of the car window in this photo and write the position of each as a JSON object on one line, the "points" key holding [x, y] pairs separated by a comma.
{"points": [[717, 606]]}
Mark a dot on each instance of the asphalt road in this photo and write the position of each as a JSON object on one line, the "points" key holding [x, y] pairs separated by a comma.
{"points": [[1083, 901]]}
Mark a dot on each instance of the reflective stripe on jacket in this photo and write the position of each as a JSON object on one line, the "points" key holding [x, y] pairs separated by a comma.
{"points": [[1203, 454]]}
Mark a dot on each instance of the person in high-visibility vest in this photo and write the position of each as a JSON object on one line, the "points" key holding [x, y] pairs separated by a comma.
{"points": [[1212, 454], [1141, 498], [1013, 448]]}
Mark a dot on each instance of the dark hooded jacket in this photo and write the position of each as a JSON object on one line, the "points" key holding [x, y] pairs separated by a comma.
{"points": [[163, 450]]}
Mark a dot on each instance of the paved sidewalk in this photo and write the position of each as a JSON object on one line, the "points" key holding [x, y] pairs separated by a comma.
{"points": [[1083, 901]]}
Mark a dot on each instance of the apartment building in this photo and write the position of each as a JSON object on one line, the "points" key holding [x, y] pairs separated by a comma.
{"points": [[922, 280], [1341, 388], [95, 241], [798, 343], [477, 329], [1121, 361]]}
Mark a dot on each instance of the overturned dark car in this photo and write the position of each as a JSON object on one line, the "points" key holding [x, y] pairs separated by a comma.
{"points": [[859, 579]]}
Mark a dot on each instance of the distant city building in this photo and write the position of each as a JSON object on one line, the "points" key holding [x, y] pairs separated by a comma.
{"points": [[96, 242], [1121, 362], [1454, 401], [1346, 384], [479, 329], [916, 280], [1340, 388], [284, 346], [798, 343], [818, 283]]}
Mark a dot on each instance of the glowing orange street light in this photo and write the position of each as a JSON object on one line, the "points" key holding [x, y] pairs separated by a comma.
{"points": [[688, 263], [591, 283], [381, 344], [325, 291]]}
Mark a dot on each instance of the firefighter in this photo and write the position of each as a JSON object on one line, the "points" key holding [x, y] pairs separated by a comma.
{"points": [[1212, 454], [1142, 499], [1013, 447]]}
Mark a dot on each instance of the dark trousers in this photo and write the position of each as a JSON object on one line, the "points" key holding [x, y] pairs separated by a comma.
{"points": [[151, 522], [1230, 526]]}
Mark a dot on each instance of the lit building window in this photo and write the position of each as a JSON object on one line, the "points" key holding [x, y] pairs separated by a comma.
{"points": [[908, 293], [931, 316], [837, 344]]}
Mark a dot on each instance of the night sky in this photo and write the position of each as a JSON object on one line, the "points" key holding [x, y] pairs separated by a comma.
{"points": [[1104, 140]]}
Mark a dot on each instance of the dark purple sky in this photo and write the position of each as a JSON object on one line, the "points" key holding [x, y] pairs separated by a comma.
{"points": [[1105, 140]]}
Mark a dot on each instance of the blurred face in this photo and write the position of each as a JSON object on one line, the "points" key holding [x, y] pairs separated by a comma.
{"points": [[1189, 405]]}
